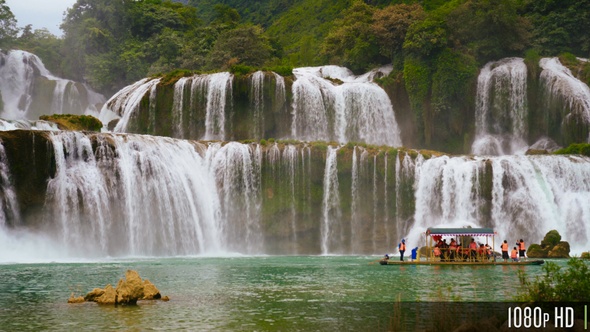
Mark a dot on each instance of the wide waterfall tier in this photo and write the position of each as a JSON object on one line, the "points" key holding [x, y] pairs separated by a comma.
{"points": [[29, 90], [321, 103], [111, 195]]}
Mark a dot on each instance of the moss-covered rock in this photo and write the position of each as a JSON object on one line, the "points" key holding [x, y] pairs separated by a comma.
{"points": [[535, 251], [585, 255], [551, 239], [561, 250], [74, 122], [551, 247]]}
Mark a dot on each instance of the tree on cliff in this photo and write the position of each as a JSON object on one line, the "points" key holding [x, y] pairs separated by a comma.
{"points": [[8, 29], [352, 42]]}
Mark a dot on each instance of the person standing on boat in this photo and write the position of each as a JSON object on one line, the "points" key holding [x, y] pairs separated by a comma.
{"points": [[521, 250], [514, 255], [402, 249], [505, 251], [472, 249]]}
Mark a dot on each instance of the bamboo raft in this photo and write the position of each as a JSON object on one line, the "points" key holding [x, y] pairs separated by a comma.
{"points": [[465, 256]]}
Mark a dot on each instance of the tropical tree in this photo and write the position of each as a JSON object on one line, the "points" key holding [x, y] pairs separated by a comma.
{"points": [[390, 26], [8, 29], [351, 42], [245, 45]]}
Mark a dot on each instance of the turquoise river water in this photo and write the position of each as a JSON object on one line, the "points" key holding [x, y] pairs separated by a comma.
{"points": [[307, 293]]}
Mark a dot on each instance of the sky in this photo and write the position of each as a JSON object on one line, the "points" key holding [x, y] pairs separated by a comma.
{"points": [[40, 13]]}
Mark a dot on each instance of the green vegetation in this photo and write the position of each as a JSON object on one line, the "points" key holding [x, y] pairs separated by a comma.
{"points": [[557, 284], [74, 122], [576, 148]]}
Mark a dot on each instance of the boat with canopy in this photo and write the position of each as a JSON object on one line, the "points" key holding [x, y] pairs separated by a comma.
{"points": [[463, 249]]}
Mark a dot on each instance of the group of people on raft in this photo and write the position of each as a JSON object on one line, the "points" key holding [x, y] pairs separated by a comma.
{"points": [[455, 252], [517, 253]]}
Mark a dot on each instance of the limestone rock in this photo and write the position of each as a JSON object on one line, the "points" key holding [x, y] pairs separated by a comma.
{"points": [[165, 298], [128, 291], [535, 251], [150, 292], [131, 289], [74, 299], [94, 294], [108, 297], [561, 250]]}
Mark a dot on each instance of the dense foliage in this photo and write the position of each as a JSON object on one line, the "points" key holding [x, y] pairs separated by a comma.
{"points": [[557, 284]]}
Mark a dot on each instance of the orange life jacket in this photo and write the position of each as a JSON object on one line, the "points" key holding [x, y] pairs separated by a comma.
{"points": [[514, 253], [521, 245], [402, 246], [504, 246]]}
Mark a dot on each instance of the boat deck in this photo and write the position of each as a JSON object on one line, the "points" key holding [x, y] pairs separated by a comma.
{"points": [[484, 263]]}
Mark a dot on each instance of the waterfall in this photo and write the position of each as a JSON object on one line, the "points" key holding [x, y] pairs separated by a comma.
{"points": [[290, 159], [125, 103], [219, 85], [257, 104], [236, 168], [9, 205], [178, 107], [501, 108], [329, 103], [27, 88], [570, 94], [519, 196], [113, 195], [330, 204], [133, 196]]}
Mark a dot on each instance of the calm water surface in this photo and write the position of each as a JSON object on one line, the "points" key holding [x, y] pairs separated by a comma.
{"points": [[243, 293]]}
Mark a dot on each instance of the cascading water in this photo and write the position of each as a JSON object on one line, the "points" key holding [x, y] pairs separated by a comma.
{"points": [[131, 195], [569, 96], [331, 234], [25, 84], [257, 104], [329, 103], [125, 103], [501, 108], [519, 196], [236, 168]]}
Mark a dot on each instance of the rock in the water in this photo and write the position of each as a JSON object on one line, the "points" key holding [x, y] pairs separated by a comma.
{"points": [[150, 292], [535, 251], [128, 291], [108, 297], [561, 250], [94, 294], [131, 289], [74, 299]]}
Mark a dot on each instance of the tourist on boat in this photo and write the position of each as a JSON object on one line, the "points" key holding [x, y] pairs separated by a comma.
{"points": [[505, 251], [452, 250], [489, 252], [472, 249], [521, 250], [402, 249], [514, 255], [481, 252]]}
